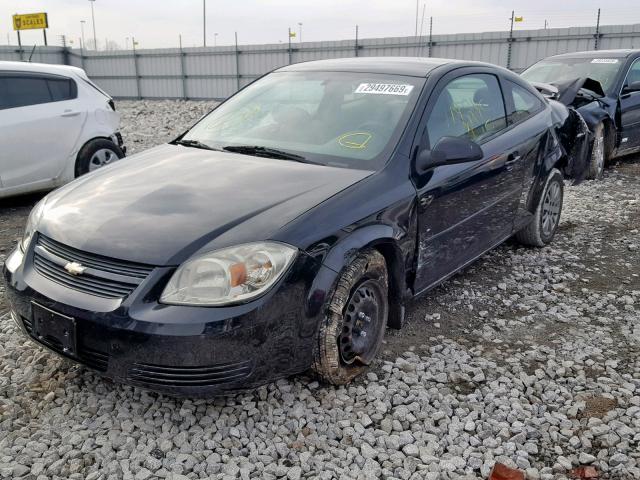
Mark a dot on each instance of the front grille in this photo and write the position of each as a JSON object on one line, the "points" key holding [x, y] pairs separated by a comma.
{"points": [[163, 375], [103, 277], [88, 356]]}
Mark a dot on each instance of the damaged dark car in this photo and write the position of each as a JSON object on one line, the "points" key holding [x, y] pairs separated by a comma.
{"points": [[604, 87], [286, 230]]}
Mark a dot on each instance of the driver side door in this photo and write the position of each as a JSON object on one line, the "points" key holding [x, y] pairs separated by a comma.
{"points": [[467, 208], [630, 110]]}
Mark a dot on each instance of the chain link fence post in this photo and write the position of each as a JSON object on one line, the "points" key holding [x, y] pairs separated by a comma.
{"points": [[597, 35], [183, 71], [237, 64]]}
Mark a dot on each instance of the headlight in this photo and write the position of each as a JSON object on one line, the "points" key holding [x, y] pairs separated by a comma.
{"points": [[230, 275], [32, 224]]}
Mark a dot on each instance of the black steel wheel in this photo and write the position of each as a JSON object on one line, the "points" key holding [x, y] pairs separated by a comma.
{"points": [[363, 323], [351, 334]]}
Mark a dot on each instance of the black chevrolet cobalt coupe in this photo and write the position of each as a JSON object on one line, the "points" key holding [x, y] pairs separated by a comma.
{"points": [[286, 230]]}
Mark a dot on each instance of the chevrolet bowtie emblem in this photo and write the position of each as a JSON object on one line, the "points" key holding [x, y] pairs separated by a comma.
{"points": [[74, 268]]}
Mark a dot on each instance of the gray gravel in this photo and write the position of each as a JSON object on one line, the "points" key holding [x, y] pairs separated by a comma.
{"points": [[530, 358]]}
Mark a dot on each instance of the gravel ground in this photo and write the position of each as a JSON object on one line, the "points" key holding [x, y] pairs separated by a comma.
{"points": [[529, 358]]}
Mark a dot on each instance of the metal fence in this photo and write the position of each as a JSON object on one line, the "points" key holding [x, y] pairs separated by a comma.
{"points": [[217, 72]]}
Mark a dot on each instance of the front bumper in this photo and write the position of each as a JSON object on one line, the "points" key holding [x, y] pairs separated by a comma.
{"points": [[180, 350], [117, 139]]}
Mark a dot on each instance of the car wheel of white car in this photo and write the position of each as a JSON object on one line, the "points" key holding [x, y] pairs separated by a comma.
{"points": [[598, 154], [97, 154]]}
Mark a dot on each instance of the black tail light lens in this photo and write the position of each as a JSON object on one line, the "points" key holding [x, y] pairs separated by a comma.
{"points": [[112, 105]]}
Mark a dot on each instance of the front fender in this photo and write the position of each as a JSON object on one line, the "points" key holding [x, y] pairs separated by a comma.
{"points": [[595, 113], [384, 238]]}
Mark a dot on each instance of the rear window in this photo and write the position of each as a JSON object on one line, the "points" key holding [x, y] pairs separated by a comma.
{"points": [[525, 103], [22, 90]]}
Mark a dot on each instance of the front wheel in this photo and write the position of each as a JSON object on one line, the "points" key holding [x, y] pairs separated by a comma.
{"points": [[542, 228], [352, 331], [598, 158]]}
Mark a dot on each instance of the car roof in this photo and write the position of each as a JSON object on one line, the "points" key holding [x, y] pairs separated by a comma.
{"points": [[412, 66], [619, 53], [42, 68]]}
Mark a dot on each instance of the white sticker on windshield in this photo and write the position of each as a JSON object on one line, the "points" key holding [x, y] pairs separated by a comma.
{"points": [[604, 60], [384, 88]]}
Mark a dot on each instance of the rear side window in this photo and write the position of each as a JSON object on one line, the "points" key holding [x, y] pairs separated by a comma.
{"points": [[634, 74], [62, 89], [18, 90], [469, 106], [524, 105]]}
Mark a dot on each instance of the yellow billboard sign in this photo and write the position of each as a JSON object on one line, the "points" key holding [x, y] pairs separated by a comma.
{"points": [[30, 21]]}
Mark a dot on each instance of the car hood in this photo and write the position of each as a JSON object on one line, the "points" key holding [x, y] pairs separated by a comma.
{"points": [[163, 205]]}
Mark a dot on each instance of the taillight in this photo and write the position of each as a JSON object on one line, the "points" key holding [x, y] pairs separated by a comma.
{"points": [[112, 105]]}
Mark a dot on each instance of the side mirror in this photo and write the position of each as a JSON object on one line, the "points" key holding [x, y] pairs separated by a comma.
{"points": [[448, 150], [632, 87]]}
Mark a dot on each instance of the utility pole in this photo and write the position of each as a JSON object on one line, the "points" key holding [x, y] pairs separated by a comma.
{"points": [[510, 40], [300, 39], [204, 23], [289, 38], [82, 22], [93, 19], [356, 40], [135, 66], [215, 39], [417, 12], [424, 6], [597, 31]]}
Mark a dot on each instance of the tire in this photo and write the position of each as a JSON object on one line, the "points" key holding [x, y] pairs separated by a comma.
{"points": [[97, 150], [358, 304], [597, 156], [542, 228]]}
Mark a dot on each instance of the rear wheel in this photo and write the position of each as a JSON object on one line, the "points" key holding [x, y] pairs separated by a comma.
{"points": [[96, 154], [351, 333], [542, 228], [598, 154]]}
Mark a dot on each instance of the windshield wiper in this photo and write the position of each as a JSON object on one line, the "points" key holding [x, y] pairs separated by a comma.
{"points": [[266, 152], [194, 144]]}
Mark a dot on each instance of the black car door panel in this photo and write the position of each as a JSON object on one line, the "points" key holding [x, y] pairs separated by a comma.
{"points": [[464, 209]]}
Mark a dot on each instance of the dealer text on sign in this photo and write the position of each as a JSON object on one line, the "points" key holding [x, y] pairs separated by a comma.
{"points": [[30, 21]]}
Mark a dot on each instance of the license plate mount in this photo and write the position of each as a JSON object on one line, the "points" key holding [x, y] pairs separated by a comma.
{"points": [[55, 330]]}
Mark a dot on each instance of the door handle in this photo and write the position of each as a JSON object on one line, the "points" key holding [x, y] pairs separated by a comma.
{"points": [[512, 158], [69, 113]]}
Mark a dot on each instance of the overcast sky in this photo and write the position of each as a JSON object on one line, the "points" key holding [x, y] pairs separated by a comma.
{"points": [[157, 23]]}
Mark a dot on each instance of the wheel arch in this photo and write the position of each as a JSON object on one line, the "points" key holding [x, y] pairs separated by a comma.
{"points": [[83, 146], [383, 239]]}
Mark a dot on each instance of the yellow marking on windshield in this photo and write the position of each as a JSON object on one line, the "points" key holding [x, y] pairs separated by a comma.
{"points": [[356, 140]]}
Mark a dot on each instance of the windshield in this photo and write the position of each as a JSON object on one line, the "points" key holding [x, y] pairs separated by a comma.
{"points": [[603, 70], [334, 118]]}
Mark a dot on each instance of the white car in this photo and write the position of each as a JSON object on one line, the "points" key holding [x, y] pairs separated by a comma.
{"points": [[55, 125]]}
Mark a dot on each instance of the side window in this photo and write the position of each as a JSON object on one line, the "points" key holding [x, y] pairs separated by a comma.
{"points": [[525, 103], [634, 73], [470, 106], [18, 90], [62, 89]]}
